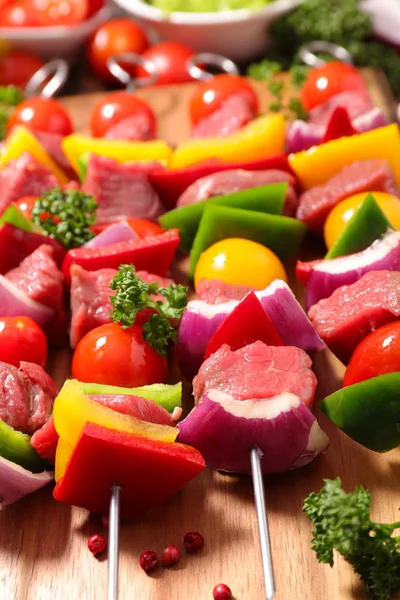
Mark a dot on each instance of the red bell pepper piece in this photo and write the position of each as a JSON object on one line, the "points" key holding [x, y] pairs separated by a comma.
{"points": [[171, 184], [247, 323], [148, 471], [153, 254], [16, 244], [339, 125], [304, 269]]}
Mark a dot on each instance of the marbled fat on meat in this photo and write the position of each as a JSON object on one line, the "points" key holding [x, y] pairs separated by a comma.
{"points": [[353, 311], [122, 190], [214, 291], [24, 176], [257, 371], [39, 277], [233, 114], [136, 128], [26, 396], [90, 299], [374, 175], [236, 180]]}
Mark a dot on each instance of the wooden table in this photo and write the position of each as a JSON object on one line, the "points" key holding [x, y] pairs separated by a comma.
{"points": [[43, 553]]}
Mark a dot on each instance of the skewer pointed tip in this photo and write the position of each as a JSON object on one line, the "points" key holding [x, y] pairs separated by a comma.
{"points": [[265, 542]]}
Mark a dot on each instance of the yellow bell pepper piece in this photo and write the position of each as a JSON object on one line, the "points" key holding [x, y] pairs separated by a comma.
{"points": [[22, 140], [72, 410], [318, 164], [123, 151], [261, 138]]}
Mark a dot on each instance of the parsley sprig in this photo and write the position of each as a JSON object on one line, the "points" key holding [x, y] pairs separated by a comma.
{"points": [[339, 21], [10, 96], [267, 70], [66, 216], [133, 294], [342, 522]]}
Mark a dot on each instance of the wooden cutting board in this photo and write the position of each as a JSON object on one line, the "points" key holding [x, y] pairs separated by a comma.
{"points": [[43, 552]]}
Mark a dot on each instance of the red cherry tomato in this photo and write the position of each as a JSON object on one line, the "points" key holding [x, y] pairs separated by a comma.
{"points": [[209, 95], [55, 12], [116, 356], [115, 37], [328, 80], [171, 60], [22, 339], [142, 227], [116, 106], [41, 114], [377, 354], [25, 205], [4, 3], [16, 68], [18, 14]]}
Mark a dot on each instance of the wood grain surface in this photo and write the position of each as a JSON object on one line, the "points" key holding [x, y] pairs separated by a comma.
{"points": [[43, 553]]}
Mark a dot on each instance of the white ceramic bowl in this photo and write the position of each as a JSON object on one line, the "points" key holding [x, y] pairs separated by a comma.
{"points": [[241, 35], [51, 42]]}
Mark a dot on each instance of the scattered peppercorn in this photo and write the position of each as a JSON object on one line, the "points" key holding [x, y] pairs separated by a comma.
{"points": [[97, 544], [148, 560], [193, 541], [222, 592], [170, 555]]}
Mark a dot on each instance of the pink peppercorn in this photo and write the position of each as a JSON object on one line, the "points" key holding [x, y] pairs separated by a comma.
{"points": [[193, 541], [148, 560], [170, 555], [222, 592], [97, 544]]}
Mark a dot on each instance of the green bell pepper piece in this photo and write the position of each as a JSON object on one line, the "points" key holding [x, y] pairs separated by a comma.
{"points": [[366, 225], [16, 447], [13, 216], [167, 396], [283, 235], [368, 412], [265, 199], [82, 162]]}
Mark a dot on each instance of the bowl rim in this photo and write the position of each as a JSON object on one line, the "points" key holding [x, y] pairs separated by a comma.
{"points": [[143, 10], [28, 34]]}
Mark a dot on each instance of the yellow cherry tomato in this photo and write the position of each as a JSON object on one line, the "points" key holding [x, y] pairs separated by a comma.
{"points": [[341, 214], [239, 262]]}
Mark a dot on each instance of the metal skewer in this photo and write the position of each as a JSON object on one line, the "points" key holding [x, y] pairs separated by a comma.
{"points": [[265, 543], [113, 543]]}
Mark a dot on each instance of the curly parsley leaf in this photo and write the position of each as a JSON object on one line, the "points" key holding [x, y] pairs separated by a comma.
{"points": [[342, 522], [133, 294]]}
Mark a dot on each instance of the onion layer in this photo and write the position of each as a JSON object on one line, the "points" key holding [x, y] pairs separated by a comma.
{"points": [[200, 320], [16, 482], [328, 275], [224, 430], [15, 303], [114, 234]]}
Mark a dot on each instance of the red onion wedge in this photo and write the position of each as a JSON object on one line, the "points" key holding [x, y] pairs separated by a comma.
{"points": [[114, 234], [290, 320], [15, 303], [302, 135], [224, 430], [17, 482], [328, 275], [370, 120], [200, 320]]}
